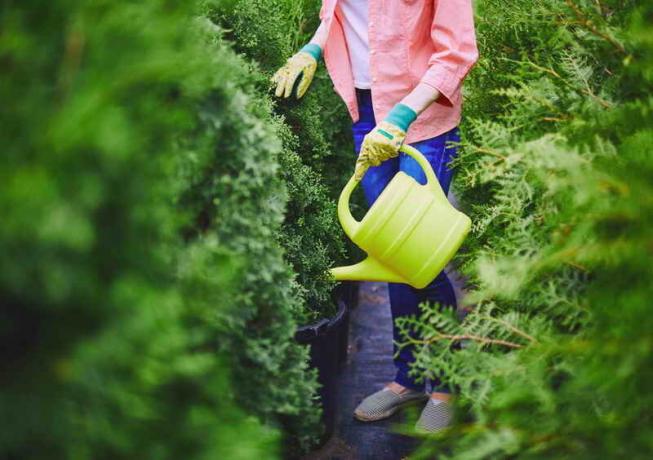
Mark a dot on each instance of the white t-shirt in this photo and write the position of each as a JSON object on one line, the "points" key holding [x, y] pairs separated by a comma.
{"points": [[355, 14]]}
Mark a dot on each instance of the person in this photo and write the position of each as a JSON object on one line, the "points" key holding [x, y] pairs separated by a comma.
{"points": [[402, 62]]}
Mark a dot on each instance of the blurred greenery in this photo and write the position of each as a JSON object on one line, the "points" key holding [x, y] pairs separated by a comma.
{"points": [[166, 226], [268, 32], [556, 173], [148, 310]]}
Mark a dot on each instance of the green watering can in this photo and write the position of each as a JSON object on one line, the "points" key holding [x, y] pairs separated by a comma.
{"points": [[410, 232]]}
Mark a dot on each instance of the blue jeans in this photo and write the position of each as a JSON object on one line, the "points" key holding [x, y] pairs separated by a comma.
{"points": [[404, 299]]}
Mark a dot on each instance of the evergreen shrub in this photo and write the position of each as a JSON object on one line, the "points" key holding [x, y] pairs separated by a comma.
{"points": [[556, 173], [311, 236], [316, 136], [270, 31], [233, 190], [147, 307]]}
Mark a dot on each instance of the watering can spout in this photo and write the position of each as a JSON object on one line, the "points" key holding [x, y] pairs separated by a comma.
{"points": [[367, 270]]}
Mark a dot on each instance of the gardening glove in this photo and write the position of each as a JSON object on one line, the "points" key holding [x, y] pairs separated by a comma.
{"points": [[385, 140], [303, 64]]}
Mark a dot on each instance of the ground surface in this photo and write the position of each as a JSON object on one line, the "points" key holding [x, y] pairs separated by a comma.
{"points": [[369, 367]]}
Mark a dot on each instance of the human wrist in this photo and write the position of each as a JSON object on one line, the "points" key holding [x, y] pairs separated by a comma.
{"points": [[313, 49], [401, 116]]}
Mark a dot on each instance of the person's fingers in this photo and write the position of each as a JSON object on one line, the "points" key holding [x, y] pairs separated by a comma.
{"points": [[304, 83], [275, 82], [290, 82], [307, 79], [278, 92], [372, 152], [281, 83], [386, 151], [359, 170], [276, 76], [364, 154], [363, 161]]}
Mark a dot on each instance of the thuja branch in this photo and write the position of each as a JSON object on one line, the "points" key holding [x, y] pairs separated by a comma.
{"points": [[589, 25], [489, 151], [458, 337], [587, 90], [512, 328], [534, 65]]}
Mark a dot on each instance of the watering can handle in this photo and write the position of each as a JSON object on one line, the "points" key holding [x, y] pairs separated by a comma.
{"points": [[431, 181], [350, 224]]}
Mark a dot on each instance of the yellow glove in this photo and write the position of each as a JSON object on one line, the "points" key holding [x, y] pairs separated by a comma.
{"points": [[385, 140], [303, 63]]}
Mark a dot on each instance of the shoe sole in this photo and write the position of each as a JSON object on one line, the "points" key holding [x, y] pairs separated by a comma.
{"points": [[424, 432], [389, 412]]}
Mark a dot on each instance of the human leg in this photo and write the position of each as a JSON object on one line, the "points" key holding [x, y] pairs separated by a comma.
{"points": [[405, 299], [393, 397]]}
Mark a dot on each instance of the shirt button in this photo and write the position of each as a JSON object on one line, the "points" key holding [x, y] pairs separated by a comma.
{"points": [[373, 52], [374, 80]]}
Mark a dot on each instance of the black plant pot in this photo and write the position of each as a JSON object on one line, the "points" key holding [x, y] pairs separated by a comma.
{"points": [[325, 339], [348, 291], [342, 294], [342, 319]]}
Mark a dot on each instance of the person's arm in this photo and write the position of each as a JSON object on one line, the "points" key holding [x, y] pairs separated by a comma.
{"points": [[303, 64], [320, 36], [452, 32], [421, 97]]}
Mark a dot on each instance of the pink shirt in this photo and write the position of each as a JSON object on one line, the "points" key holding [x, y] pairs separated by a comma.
{"points": [[411, 41]]}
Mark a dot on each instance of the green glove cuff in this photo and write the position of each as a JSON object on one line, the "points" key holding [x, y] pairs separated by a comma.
{"points": [[314, 50], [401, 116]]}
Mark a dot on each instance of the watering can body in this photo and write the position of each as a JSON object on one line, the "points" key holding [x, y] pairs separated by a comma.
{"points": [[410, 232]]}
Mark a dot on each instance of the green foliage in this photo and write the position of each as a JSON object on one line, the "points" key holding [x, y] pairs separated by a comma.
{"points": [[234, 193], [316, 138], [164, 231], [147, 308], [311, 237], [556, 174], [269, 32]]}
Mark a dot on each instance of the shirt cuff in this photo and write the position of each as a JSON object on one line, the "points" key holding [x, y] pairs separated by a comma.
{"points": [[445, 81]]}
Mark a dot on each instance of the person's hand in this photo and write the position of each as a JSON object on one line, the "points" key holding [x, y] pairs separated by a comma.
{"points": [[380, 144], [303, 64], [385, 140]]}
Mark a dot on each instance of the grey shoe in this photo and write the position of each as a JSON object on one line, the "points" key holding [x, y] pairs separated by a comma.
{"points": [[436, 416], [386, 402]]}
